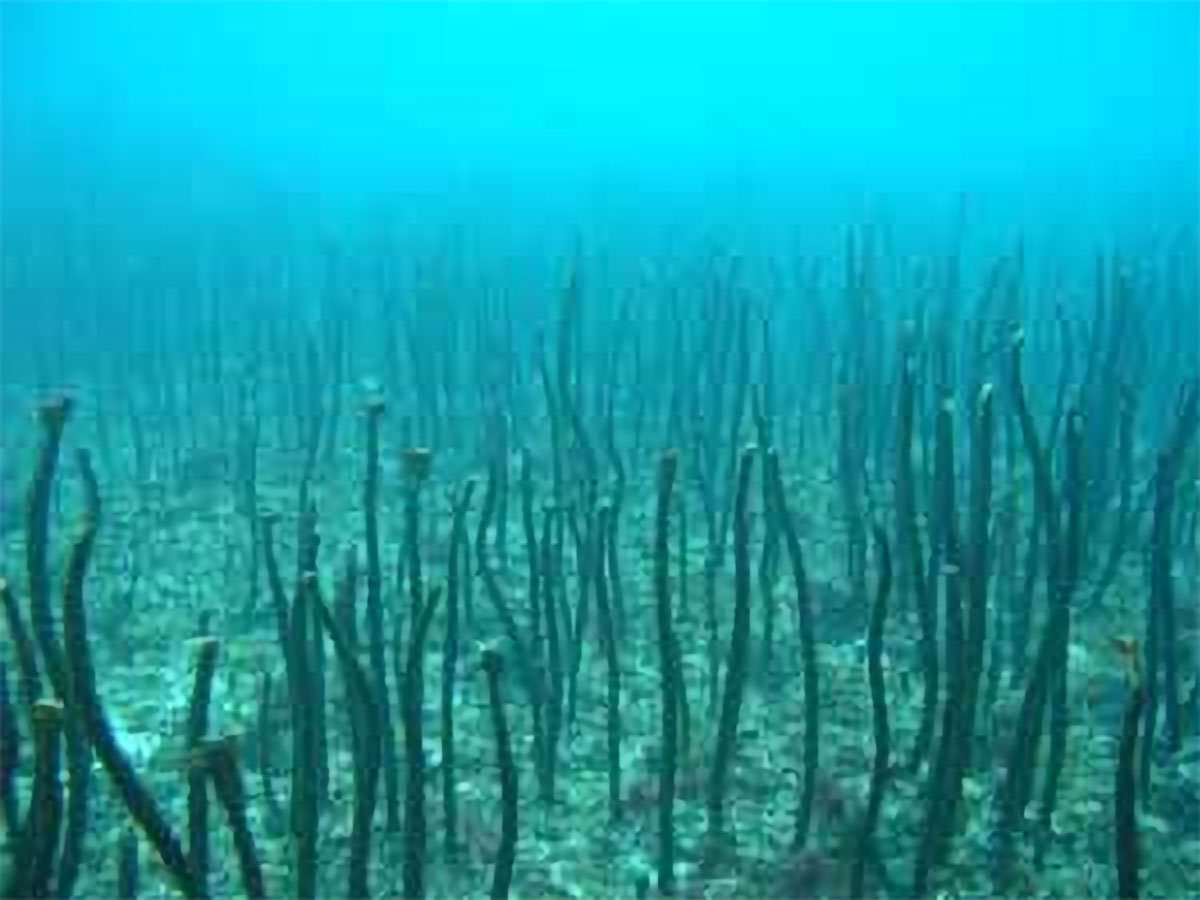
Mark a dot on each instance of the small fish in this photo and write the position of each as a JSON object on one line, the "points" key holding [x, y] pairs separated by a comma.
{"points": [[1128, 648]]}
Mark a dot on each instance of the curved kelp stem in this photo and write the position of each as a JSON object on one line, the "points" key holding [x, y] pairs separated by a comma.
{"points": [[137, 797]]}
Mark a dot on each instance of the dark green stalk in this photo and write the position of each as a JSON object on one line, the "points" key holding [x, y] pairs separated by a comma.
{"points": [[736, 668], [137, 798], [336, 344], [500, 603], [248, 431], [345, 603], [486, 514], [127, 866], [345, 613], [616, 585], [1123, 526], [808, 650], [535, 617], [219, 760], [10, 756], [366, 769], [500, 543], [46, 803], [1075, 499], [1128, 852], [197, 730], [908, 542], [304, 763], [468, 589], [879, 716], [554, 651], [283, 627], [417, 464], [713, 555], [493, 666], [668, 673], [563, 604], [375, 633], [414, 746], [942, 784], [685, 716], [53, 419], [682, 551], [978, 567], [1023, 613], [587, 561], [1115, 330], [1013, 794], [553, 417], [398, 655], [568, 317], [315, 409], [79, 775], [1065, 376], [770, 548], [320, 725], [26, 653], [278, 597], [1007, 596], [1162, 592], [608, 636], [450, 668], [1004, 598], [266, 766], [850, 403]]}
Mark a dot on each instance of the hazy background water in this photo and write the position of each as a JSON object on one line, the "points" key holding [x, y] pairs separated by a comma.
{"points": [[1043, 114]]}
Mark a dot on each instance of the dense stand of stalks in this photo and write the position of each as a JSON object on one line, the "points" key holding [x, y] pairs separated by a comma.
{"points": [[967, 665]]}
